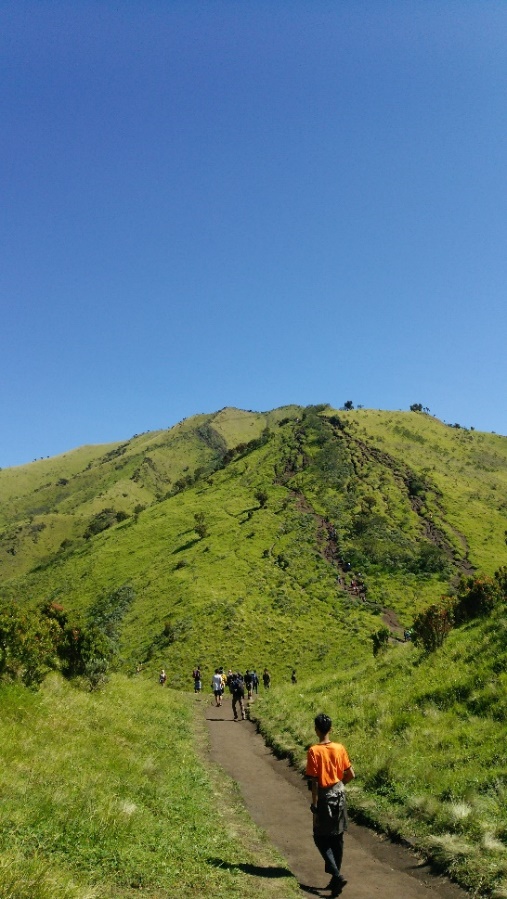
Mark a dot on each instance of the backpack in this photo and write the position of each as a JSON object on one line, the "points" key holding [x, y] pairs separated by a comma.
{"points": [[236, 684]]}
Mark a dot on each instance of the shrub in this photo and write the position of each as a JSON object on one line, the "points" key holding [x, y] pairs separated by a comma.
{"points": [[380, 640], [101, 522], [28, 642], [430, 559], [501, 581], [431, 627], [262, 497], [476, 598], [200, 525]]}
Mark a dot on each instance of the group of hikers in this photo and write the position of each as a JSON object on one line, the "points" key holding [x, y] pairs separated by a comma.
{"points": [[249, 681], [237, 683], [239, 686], [328, 767]]}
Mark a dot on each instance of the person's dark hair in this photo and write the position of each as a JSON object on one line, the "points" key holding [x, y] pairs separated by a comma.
{"points": [[323, 723]]}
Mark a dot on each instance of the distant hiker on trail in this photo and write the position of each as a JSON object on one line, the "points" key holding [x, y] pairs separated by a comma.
{"points": [[255, 681], [217, 685], [294, 677], [196, 674], [266, 679], [248, 683], [328, 768], [162, 678], [237, 688]]}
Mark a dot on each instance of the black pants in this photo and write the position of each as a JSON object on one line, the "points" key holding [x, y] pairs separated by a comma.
{"points": [[238, 698], [330, 847]]}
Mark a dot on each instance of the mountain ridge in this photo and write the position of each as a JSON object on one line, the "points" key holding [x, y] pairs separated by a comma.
{"points": [[365, 513]]}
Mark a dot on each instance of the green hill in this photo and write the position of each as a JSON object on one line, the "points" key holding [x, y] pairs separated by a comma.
{"points": [[287, 539], [319, 526]]}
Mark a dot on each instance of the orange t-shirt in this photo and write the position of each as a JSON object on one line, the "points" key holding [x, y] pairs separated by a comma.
{"points": [[327, 762]]}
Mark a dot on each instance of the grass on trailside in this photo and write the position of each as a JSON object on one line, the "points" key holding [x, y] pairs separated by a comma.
{"points": [[427, 737], [104, 795]]}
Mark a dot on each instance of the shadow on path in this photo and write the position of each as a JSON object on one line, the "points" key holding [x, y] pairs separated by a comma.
{"points": [[259, 871], [255, 870]]}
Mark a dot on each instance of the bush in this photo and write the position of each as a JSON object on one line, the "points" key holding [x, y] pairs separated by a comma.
{"points": [[101, 522], [501, 581], [262, 497], [200, 526], [476, 597], [380, 640], [28, 643], [431, 627], [430, 559]]}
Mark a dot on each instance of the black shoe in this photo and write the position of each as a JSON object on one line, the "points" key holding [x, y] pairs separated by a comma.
{"points": [[336, 884]]}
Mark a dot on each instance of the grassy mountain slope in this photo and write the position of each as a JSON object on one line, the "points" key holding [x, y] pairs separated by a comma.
{"points": [[468, 469], [53, 500], [319, 527]]}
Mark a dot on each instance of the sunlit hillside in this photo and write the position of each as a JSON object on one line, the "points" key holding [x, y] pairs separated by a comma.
{"points": [[282, 539]]}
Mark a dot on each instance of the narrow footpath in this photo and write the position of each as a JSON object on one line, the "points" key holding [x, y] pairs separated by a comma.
{"points": [[277, 799]]}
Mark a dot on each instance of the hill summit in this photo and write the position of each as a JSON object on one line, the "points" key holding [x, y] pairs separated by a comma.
{"points": [[281, 538]]}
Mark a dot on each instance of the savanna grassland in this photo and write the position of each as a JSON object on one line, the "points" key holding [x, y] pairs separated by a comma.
{"points": [[105, 794], [285, 539]]}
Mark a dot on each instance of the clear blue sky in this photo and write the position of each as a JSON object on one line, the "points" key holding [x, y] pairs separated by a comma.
{"points": [[212, 202]]}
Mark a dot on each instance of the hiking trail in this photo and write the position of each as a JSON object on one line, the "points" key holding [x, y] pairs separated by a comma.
{"points": [[277, 799]]}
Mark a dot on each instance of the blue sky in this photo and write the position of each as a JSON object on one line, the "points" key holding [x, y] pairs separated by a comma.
{"points": [[207, 203]]}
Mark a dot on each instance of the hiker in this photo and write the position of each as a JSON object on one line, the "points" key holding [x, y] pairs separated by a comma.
{"points": [[196, 674], [162, 678], [237, 688], [328, 768], [294, 677], [217, 685], [248, 683], [255, 681], [266, 679]]}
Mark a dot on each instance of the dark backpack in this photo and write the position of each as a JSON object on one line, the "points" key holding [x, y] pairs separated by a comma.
{"points": [[236, 684]]}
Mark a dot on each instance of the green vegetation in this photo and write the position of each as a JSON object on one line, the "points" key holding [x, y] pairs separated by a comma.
{"points": [[101, 799], [426, 732], [302, 537]]}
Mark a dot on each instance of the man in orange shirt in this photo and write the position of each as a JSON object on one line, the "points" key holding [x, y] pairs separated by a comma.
{"points": [[328, 768]]}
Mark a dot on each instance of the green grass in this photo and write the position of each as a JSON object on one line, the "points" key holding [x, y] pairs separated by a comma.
{"points": [[107, 794], [426, 735]]}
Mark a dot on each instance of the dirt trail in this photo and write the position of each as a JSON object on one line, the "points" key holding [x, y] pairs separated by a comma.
{"points": [[278, 801]]}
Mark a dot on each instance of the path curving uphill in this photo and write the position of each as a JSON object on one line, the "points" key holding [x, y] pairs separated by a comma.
{"points": [[277, 799]]}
